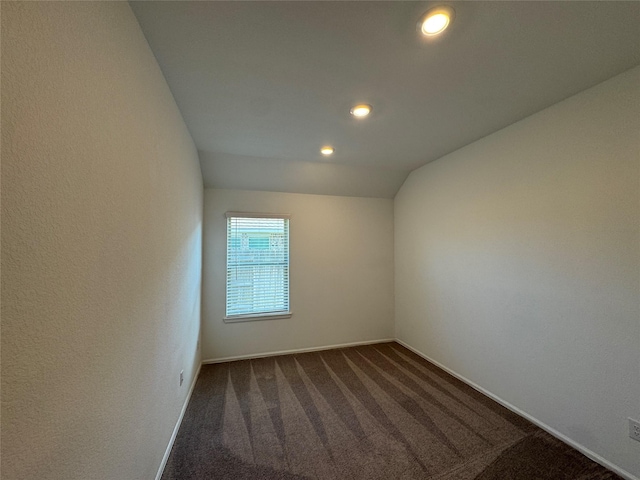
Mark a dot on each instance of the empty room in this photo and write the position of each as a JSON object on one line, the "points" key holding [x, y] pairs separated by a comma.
{"points": [[320, 240]]}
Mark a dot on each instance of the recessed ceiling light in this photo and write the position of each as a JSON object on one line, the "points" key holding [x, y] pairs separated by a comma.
{"points": [[327, 150], [436, 20], [361, 111]]}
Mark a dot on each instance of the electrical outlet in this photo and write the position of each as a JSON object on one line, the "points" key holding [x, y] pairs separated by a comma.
{"points": [[181, 377], [634, 429]]}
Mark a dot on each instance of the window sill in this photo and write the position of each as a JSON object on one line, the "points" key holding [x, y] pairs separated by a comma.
{"points": [[257, 317]]}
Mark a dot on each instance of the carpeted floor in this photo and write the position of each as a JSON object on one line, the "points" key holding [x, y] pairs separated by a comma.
{"points": [[370, 412]]}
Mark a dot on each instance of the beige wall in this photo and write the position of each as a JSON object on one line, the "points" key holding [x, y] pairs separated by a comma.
{"points": [[101, 246], [341, 277], [517, 265]]}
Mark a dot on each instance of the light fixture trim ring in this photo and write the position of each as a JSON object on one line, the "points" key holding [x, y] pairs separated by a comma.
{"points": [[361, 110], [445, 10], [327, 150]]}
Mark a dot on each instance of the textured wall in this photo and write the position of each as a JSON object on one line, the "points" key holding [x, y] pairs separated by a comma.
{"points": [[101, 246], [517, 265], [341, 277]]}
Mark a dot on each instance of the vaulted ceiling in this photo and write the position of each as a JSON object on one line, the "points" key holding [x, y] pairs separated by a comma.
{"points": [[263, 85]]}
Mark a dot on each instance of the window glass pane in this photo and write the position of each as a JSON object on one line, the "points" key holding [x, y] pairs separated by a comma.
{"points": [[259, 242], [257, 265]]}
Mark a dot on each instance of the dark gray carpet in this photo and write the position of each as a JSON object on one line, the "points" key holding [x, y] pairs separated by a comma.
{"points": [[370, 412]]}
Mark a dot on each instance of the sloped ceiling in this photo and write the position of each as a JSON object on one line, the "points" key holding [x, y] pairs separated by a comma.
{"points": [[263, 85]]}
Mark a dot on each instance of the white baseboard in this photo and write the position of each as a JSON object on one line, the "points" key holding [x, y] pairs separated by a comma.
{"points": [[582, 449], [177, 427], [296, 350]]}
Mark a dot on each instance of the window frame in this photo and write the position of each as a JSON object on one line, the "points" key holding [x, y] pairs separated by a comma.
{"points": [[249, 317]]}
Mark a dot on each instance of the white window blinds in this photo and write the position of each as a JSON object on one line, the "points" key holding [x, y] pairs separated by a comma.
{"points": [[257, 265]]}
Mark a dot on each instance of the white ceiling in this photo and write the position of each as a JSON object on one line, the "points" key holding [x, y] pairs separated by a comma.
{"points": [[263, 85]]}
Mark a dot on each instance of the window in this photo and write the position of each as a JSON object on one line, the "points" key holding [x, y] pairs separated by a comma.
{"points": [[257, 266]]}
